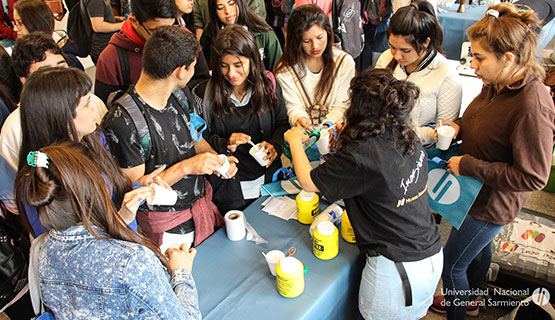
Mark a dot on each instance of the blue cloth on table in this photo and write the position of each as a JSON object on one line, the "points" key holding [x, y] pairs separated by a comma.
{"points": [[234, 282], [454, 26]]}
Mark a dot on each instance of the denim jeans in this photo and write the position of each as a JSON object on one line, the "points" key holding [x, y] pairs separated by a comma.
{"points": [[381, 294], [467, 259]]}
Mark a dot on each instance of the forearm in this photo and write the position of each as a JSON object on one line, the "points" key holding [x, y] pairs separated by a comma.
{"points": [[203, 146], [302, 167], [186, 291], [100, 26]]}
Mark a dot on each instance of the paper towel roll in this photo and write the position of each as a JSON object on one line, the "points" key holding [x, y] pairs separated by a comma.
{"points": [[235, 225]]}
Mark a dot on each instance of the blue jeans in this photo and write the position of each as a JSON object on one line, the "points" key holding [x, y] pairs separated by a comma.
{"points": [[467, 259], [381, 294]]}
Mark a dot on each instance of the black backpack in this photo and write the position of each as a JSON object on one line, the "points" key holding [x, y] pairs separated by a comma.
{"points": [[283, 7], [14, 257], [376, 11], [347, 26], [79, 27]]}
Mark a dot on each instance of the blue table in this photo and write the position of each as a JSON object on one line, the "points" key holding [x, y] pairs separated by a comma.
{"points": [[234, 281], [454, 27]]}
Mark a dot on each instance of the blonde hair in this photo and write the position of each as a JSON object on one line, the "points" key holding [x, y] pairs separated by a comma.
{"points": [[512, 31]]}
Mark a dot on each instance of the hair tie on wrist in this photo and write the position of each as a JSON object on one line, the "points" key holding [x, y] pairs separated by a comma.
{"points": [[37, 159], [493, 13]]}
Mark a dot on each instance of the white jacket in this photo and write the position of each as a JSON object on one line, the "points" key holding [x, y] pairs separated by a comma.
{"points": [[338, 99]]}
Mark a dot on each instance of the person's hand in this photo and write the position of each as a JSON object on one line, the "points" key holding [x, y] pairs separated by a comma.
{"points": [[153, 177], [131, 202], [181, 258], [334, 139], [448, 123], [236, 139], [453, 165], [303, 122], [271, 153], [295, 135], [232, 168], [119, 18], [204, 163]]}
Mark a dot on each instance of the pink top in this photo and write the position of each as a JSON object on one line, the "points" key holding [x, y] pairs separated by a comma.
{"points": [[324, 4]]}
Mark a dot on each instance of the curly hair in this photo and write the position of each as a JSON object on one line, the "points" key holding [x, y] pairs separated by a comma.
{"points": [[381, 105], [32, 48]]}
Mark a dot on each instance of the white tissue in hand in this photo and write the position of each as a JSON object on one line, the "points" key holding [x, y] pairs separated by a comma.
{"points": [[163, 196]]}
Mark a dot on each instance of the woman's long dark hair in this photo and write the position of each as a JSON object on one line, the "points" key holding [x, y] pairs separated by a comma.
{"points": [[380, 105], [72, 191], [35, 16], [48, 101], [302, 19], [417, 22], [10, 86], [246, 17], [237, 41]]}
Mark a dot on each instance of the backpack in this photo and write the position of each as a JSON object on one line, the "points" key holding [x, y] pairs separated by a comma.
{"points": [[130, 104], [347, 26], [283, 7], [79, 27], [376, 11], [14, 257]]}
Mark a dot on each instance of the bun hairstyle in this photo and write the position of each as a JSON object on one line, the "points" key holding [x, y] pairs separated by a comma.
{"points": [[380, 104], [417, 22], [72, 191], [505, 29]]}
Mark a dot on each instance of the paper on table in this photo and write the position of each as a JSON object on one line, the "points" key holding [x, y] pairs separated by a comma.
{"points": [[281, 207]]}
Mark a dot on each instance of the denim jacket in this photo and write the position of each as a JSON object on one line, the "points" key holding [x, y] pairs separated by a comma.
{"points": [[83, 277]]}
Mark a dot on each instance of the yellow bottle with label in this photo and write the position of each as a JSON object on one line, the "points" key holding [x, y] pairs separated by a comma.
{"points": [[347, 231], [325, 244], [290, 277], [307, 207]]}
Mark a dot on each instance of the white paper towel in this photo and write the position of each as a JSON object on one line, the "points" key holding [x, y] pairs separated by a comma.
{"points": [[235, 225]]}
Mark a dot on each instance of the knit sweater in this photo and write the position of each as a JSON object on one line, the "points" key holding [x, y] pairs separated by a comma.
{"points": [[440, 93], [338, 98]]}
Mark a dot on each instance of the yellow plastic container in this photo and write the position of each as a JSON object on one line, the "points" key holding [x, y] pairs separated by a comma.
{"points": [[325, 244], [290, 277], [307, 207], [347, 231]]}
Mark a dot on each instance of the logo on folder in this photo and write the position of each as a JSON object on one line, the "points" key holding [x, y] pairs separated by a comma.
{"points": [[443, 187]]}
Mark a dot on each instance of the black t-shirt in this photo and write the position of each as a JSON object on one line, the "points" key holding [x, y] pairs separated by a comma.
{"points": [[385, 196], [170, 142], [103, 9], [245, 122]]}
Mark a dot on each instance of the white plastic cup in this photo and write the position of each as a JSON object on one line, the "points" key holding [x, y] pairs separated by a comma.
{"points": [[235, 225], [259, 154], [444, 136], [323, 143], [224, 168], [272, 258], [163, 196]]}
